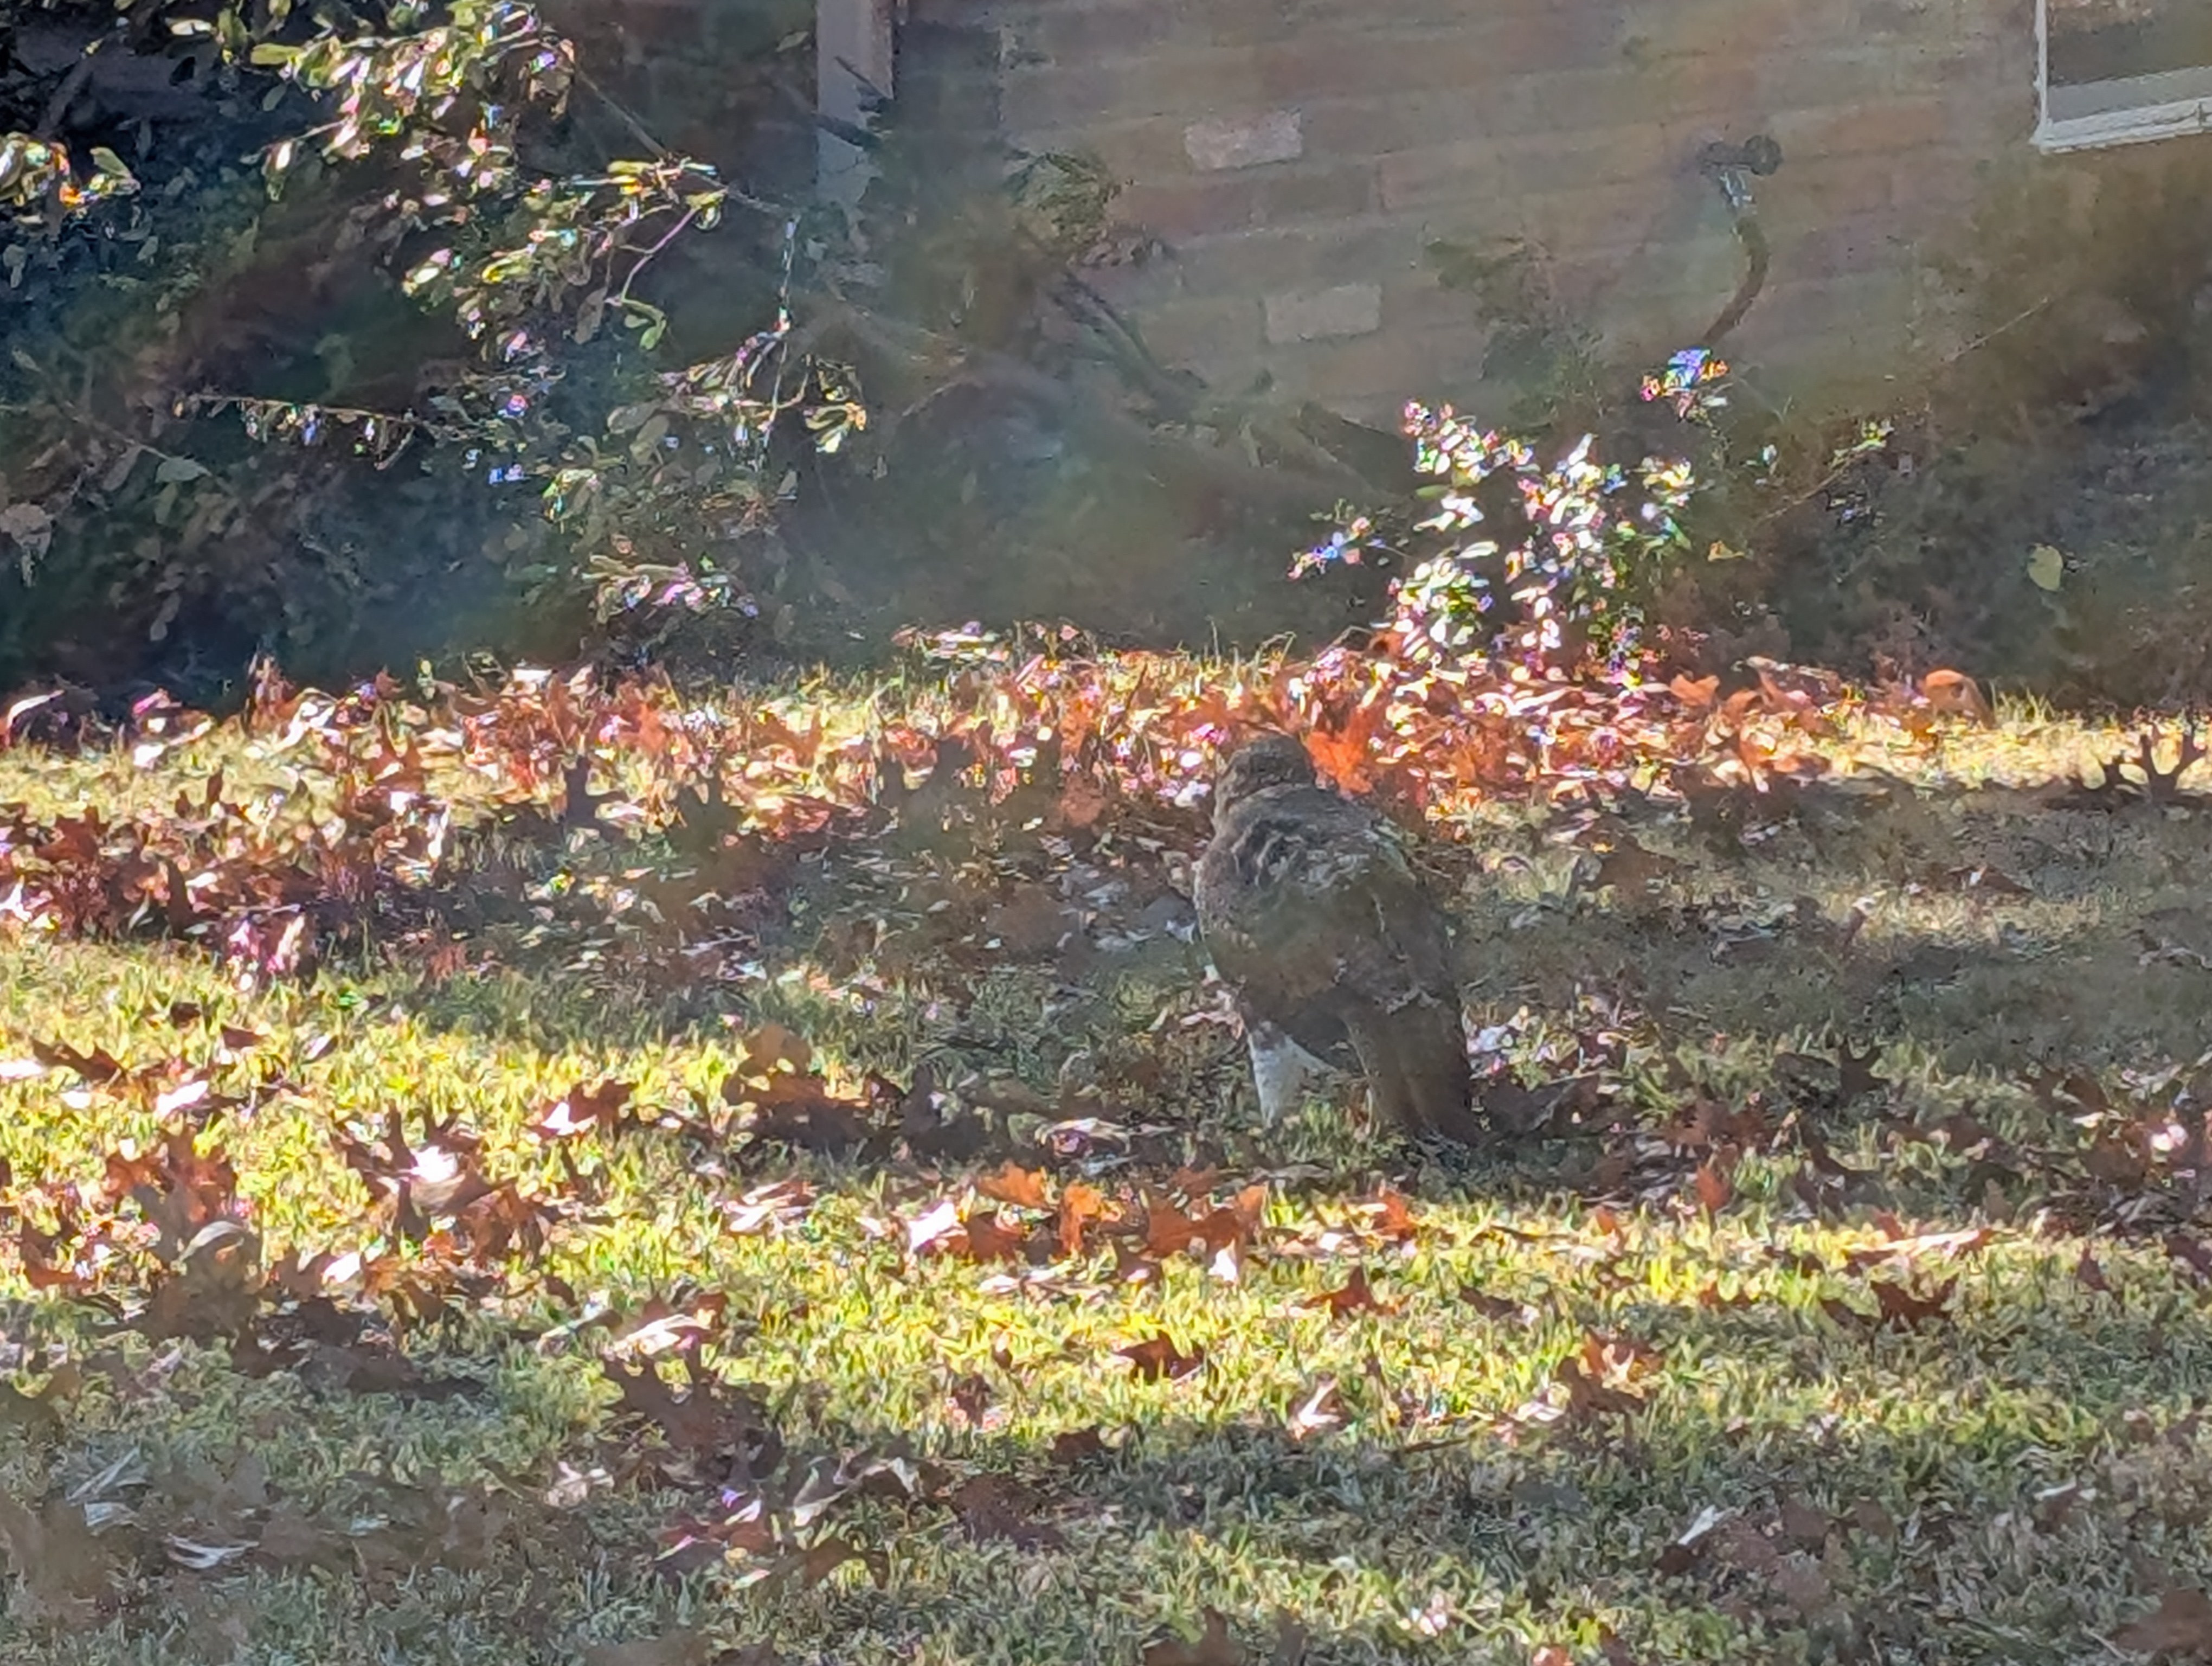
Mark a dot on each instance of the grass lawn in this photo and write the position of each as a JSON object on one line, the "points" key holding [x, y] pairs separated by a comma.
{"points": [[833, 1225]]}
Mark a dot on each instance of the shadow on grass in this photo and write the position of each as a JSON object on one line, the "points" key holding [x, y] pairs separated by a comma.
{"points": [[2008, 1486], [1981, 928]]}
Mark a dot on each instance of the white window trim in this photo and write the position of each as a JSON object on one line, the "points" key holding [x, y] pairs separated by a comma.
{"points": [[2159, 115]]}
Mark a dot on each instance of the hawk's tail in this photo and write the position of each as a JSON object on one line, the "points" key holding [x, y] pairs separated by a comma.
{"points": [[1416, 1063]]}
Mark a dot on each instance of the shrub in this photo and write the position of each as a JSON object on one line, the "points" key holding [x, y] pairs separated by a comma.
{"points": [[1549, 565]]}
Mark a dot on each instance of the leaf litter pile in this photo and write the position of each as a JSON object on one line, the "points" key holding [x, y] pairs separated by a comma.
{"points": [[565, 1171]]}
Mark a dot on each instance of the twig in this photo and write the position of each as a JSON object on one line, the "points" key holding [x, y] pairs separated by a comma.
{"points": [[1170, 394], [342, 414], [1984, 339], [622, 297], [623, 114], [1276, 489]]}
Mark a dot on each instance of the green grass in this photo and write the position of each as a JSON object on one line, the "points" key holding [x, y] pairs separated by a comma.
{"points": [[2009, 1481]]}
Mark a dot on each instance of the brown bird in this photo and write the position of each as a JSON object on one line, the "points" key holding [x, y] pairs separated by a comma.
{"points": [[1311, 910]]}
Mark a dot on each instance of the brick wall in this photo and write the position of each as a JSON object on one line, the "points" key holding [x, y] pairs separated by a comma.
{"points": [[1297, 157]]}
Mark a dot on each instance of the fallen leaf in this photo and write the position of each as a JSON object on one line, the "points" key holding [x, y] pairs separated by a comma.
{"points": [[2181, 1624], [1858, 1075], [995, 1507], [1806, 1528], [930, 1227], [987, 1237], [1391, 1218], [2194, 1253], [1716, 1191], [1073, 1446], [1358, 1296], [707, 1419], [583, 1110], [1215, 1647], [63, 1569], [1955, 693], [1319, 1410], [1080, 1204], [1490, 1306], [1698, 694], [1022, 1187], [1588, 1397], [970, 1396], [1869, 1515], [825, 1559], [1902, 1309], [1082, 802], [2089, 1275], [1157, 1357]]}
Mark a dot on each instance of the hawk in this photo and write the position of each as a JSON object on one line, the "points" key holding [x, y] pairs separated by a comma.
{"points": [[1310, 909]]}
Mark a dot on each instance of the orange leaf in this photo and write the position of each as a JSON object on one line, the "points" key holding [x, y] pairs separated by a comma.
{"points": [[1347, 755], [1079, 1205], [1698, 695], [1954, 692], [1022, 1187]]}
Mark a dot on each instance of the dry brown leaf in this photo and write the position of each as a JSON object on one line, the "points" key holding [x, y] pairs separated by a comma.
{"points": [[1588, 1396], [995, 1507], [1073, 1446], [1157, 1357], [1902, 1309], [65, 1571], [824, 1559], [2180, 1625], [1358, 1296], [989, 1237], [1215, 1647], [1024, 1188], [1806, 1527], [1715, 1191], [2089, 1275], [1490, 1306]]}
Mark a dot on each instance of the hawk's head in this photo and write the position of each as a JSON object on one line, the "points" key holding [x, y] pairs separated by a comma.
{"points": [[1273, 760]]}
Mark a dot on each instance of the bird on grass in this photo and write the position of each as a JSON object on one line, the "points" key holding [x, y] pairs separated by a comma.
{"points": [[1310, 909]]}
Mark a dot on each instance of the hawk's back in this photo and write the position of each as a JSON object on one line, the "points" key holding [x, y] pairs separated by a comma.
{"points": [[1310, 906]]}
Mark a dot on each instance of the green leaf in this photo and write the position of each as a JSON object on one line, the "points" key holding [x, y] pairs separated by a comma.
{"points": [[176, 469], [109, 163], [2046, 567]]}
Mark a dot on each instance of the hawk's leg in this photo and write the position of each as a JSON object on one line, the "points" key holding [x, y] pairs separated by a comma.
{"points": [[1280, 1068]]}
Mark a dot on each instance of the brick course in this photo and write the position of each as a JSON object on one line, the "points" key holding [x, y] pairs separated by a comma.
{"points": [[1297, 157], [1180, 208], [1215, 143], [1348, 309]]}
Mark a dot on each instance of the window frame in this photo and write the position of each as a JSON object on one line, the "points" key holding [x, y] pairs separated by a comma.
{"points": [[2156, 117]]}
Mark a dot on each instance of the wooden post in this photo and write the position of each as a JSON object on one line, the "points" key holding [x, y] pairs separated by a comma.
{"points": [[852, 54]]}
